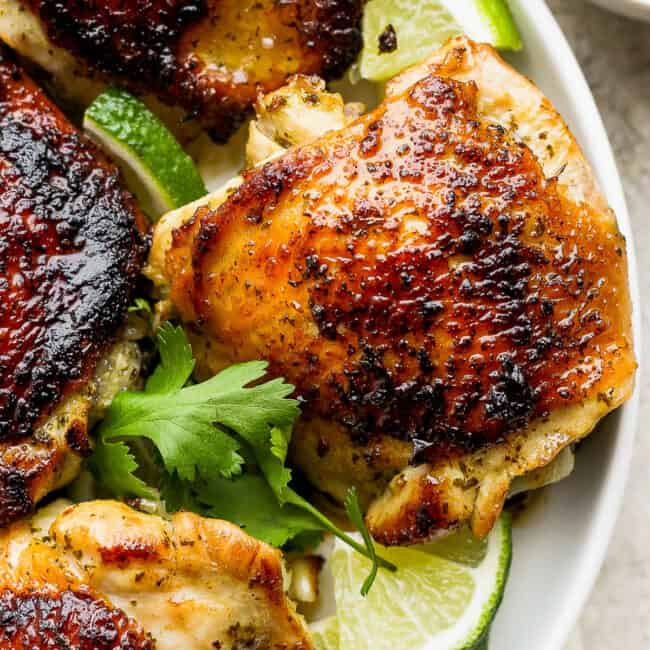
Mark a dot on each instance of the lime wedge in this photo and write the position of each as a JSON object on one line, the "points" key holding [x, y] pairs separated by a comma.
{"points": [[462, 547], [400, 33], [430, 603], [157, 170], [325, 634]]}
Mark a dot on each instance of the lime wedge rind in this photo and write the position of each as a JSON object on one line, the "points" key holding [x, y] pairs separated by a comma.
{"points": [[155, 199], [497, 14], [430, 603], [486, 21], [500, 550], [422, 26], [157, 170]]}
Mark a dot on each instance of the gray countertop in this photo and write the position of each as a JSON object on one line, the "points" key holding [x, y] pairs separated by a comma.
{"points": [[615, 55]]}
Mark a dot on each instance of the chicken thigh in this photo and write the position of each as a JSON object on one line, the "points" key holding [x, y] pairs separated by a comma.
{"points": [[100, 576], [70, 253], [441, 280], [210, 57]]}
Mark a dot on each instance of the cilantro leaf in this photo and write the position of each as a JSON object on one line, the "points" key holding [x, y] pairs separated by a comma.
{"points": [[181, 429], [251, 412], [190, 425], [304, 542], [353, 510], [271, 458], [113, 465], [178, 495], [176, 361], [247, 501]]}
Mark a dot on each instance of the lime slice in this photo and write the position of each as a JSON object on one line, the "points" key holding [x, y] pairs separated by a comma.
{"points": [[157, 170], [400, 33], [462, 547], [325, 634], [430, 603]]}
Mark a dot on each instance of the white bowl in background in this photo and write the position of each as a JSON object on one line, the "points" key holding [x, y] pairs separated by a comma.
{"points": [[632, 8]]}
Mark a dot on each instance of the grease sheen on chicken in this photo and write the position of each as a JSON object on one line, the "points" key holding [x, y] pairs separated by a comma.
{"points": [[442, 282], [101, 576], [210, 57], [70, 253]]}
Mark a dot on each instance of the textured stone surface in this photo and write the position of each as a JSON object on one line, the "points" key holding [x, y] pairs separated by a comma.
{"points": [[615, 55]]}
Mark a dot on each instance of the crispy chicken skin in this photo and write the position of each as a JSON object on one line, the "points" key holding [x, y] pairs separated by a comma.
{"points": [[70, 252], [299, 112], [442, 282], [211, 57], [100, 575]]}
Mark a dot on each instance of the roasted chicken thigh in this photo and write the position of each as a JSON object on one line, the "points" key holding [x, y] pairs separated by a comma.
{"points": [[101, 576], [70, 253], [441, 280], [210, 57]]}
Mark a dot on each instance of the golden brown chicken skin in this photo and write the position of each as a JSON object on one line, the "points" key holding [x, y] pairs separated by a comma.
{"points": [[70, 253], [446, 309], [100, 576], [211, 57]]}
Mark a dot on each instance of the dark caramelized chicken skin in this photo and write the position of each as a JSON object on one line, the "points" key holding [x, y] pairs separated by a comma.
{"points": [[44, 620], [70, 252], [434, 297], [211, 57]]}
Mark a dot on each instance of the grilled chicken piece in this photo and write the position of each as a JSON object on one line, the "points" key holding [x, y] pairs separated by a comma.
{"points": [[70, 252], [441, 280], [210, 57], [100, 575]]}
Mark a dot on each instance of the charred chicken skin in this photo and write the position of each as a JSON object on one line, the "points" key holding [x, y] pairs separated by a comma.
{"points": [[101, 576], [70, 253], [442, 282], [211, 57]]}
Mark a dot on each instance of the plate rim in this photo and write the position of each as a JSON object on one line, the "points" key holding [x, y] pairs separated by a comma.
{"points": [[608, 507]]}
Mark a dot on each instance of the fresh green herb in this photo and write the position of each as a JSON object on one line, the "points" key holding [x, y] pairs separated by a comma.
{"points": [[221, 444], [246, 500], [114, 465], [353, 510], [191, 426], [140, 304]]}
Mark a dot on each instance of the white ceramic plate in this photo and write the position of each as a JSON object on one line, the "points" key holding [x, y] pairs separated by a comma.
{"points": [[560, 541], [632, 8]]}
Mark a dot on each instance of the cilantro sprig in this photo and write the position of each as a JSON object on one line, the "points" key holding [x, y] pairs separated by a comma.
{"points": [[220, 446], [353, 510]]}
